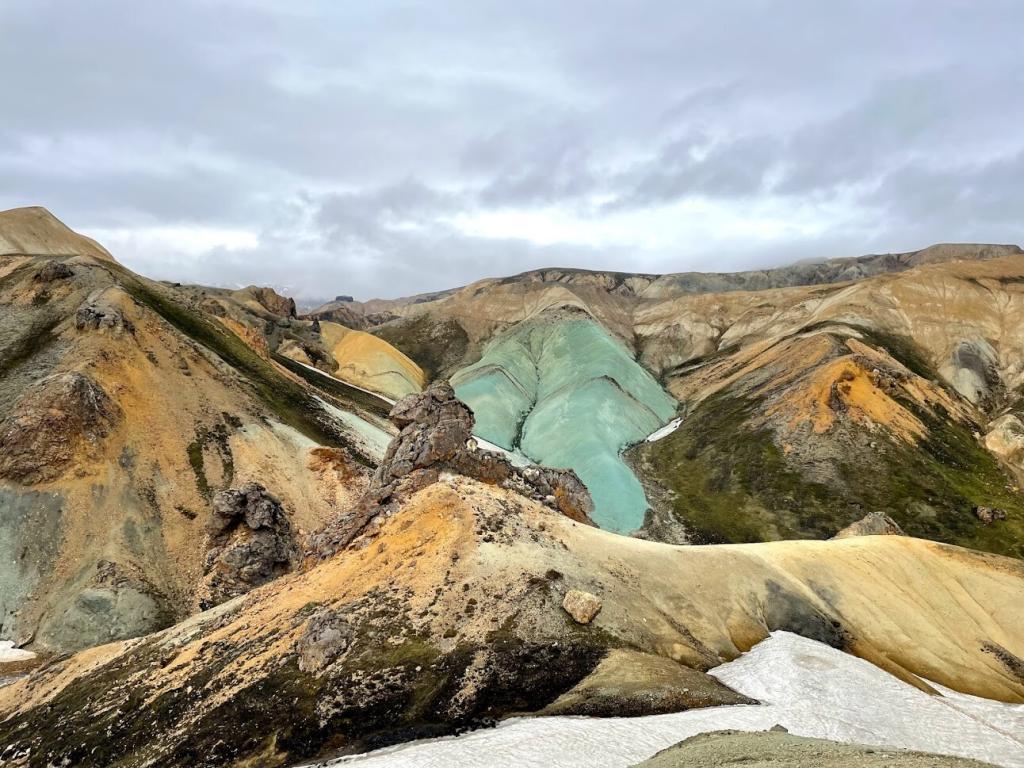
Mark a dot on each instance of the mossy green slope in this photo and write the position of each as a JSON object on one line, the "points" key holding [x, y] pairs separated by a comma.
{"points": [[729, 482], [564, 392]]}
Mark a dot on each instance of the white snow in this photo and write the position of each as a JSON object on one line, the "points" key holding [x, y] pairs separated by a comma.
{"points": [[806, 686], [372, 438], [9, 653], [515, 457], [378, 395], [665, 431]]}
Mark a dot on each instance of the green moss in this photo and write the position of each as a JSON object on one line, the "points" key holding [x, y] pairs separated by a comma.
{"points": [[728, 482], [195, 460], [217, 438]]}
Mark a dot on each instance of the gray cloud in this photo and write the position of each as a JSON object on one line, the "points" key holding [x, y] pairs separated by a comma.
{"points": [[342, 148]]}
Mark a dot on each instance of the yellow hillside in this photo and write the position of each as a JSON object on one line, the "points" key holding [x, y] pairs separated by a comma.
{"points": [[371, 363]]}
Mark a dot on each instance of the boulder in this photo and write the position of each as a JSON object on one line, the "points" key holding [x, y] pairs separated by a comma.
{"points": [[326, 638], [53, 270], [989, 515], [872, 524], [582, 606]]}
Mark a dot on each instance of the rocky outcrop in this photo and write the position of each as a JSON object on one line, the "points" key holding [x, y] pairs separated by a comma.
{"points": [[97, 316], [250, 543], [872, 524], [436, 435], [271, 300], [53, 270], [60, 416]]}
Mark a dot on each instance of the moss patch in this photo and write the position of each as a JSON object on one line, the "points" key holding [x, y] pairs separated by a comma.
{"points": [[728, 482]]}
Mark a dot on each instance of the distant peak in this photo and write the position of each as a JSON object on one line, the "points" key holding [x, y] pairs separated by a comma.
{"points": [[34, 231]]}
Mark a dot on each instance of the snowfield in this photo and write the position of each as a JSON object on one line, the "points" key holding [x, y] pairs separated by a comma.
{"points": [[806, 686], [665, 431]]}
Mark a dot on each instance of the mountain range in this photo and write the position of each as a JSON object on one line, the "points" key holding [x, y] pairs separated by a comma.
{"points": [[234, 534]]}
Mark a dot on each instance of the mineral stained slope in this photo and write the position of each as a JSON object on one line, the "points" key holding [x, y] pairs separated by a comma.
{"points": [[125, 407], [471, 625], [562, 391], [370, 362]]}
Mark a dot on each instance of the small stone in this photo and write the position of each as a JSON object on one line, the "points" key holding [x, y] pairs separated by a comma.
{"points": [[989, 515], [582, 606]]}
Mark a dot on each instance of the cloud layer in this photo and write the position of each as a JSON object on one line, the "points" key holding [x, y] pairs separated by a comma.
{"points": [[389, 148]]}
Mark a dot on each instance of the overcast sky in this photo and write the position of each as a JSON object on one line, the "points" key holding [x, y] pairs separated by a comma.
{"points": [[387, 148]]}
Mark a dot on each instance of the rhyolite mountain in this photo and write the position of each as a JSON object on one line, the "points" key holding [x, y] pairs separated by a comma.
{"points": [[272, 537], [809, 395]]}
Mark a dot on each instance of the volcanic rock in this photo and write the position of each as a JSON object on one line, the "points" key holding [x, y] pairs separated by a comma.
{"points": [[53, 270], [437, 436], [39, 439], [328, 635], [250, 543], [989, 515]]}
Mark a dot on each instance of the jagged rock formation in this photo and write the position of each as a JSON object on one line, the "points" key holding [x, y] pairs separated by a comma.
{"points": [[436, 435], [250, 543]]}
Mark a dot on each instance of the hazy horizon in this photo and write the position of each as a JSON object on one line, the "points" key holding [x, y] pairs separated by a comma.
{"points": [[403, 148]]}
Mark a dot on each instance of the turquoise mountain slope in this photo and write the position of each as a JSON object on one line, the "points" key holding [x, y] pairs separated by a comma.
{"points": [[565, 393]]}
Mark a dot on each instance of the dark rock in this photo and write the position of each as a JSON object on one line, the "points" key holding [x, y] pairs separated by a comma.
{"points": [[989, 515], [59, 416], [92, 318], [344, 298], [315, 327], [53, 270], [327, 636], [250, 543]]}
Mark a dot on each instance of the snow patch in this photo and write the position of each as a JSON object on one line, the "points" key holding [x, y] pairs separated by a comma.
{"points": [[665, 431], [515, 457], [9, 653], [370, 437], [378, 395], [811, 689]]}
